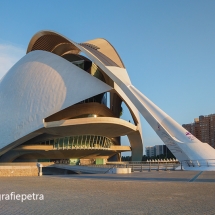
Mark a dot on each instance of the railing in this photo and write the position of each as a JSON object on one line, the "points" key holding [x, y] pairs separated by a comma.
{"points": [[142, 166], [198, 163], [153, 166]]}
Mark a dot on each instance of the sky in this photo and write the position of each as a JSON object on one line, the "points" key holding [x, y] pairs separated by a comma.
{"points": [[168, 47]]}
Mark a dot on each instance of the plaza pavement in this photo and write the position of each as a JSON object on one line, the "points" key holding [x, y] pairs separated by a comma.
{"points": [[163, 192]]}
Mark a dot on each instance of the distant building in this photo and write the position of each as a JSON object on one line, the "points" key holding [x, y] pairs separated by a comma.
{"points": [[154, 151], [160, 150], [203, 128], [150, 151], [194, 128]]}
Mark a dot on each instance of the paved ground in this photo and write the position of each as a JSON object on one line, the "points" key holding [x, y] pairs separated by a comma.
{"points": [[175, 192]]}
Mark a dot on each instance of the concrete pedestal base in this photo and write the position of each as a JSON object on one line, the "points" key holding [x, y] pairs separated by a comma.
{"points": [[120, 170]]}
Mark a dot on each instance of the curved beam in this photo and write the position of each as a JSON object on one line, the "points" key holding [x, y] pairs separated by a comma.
{"points": [[81, 109], [59, 45], [180, 142], [104, 126], [51, 41], [58, 154], [107, 49], [12, 155]]}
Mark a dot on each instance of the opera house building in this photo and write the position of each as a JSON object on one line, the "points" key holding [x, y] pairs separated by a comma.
{"points": [[58, 103], [63, 100]]}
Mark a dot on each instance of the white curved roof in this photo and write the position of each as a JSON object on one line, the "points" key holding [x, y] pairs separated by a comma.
{"points": [[39, 85]]}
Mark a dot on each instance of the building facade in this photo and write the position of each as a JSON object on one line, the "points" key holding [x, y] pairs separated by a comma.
{"points": [[150, 151], [203, 128], [157, 150], [62, 100]]}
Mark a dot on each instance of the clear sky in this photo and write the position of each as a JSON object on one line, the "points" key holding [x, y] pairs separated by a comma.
{"points": [[168, 47]]}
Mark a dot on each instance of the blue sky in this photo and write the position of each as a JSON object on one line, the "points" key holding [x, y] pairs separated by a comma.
{"points": [[168, 47]]}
